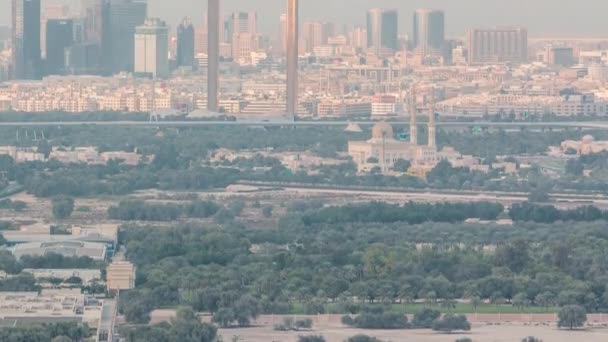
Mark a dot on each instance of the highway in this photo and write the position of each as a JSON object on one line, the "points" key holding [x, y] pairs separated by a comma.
{"points": [[455, 124]]}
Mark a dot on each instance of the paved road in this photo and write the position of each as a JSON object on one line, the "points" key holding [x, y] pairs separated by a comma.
{"points": [[105, 330], [565, 124]]}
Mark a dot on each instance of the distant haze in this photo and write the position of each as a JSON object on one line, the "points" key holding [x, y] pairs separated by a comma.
{"points": [[554, 18]]}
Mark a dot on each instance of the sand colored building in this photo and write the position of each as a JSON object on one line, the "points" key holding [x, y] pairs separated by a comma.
{"points": [[384, 150], [120, 275], [587, 145]]}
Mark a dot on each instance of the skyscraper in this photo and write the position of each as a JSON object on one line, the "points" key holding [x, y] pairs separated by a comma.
{"points": [[499, 45], [59, 37], [382, 30], [429, 32], [185, 43], [95, 12], [213, 41], [50, 11], [292, 57], [27, 62], [124, 17], [242, 32], [152, 48], [282, 41], [243, 22], [313, 35], [85, 55], [200, 39], [358, 38]]}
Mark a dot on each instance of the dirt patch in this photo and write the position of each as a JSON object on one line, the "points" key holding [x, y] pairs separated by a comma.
{"points": [[480, 333]]}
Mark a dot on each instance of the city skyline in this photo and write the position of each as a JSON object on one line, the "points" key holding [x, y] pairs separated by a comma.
{"points": [[542, 18], [385, 168]]}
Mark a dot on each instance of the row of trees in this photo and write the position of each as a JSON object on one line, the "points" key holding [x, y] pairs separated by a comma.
{"points": [[415, 213], [378, 318], [550, 214], [13, 205], [137, 210], [411, 213], [55, 332], [10, 265]]}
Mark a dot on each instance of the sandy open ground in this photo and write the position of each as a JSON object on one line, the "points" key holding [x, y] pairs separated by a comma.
{"points": [[479, 333], [485, 328]]}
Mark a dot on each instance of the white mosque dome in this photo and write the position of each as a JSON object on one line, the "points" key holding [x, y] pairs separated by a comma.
{"points": [[382, 130], [588, 139]]}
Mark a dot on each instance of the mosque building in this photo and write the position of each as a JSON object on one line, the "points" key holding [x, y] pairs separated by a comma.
{"points": [[383, 150], [587, 145]]}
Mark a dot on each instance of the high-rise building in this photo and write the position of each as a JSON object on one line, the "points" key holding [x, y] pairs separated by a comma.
{"points": [[200, 39], [243, 22], [429, 32], [95, 14], [185, 43], [242, 32], [459, 55], [152, 48], [5, 37], [82, 59], [243, 44], [358, 38], [213, 64], [27, 61], [559, 55], [282, 39], [329, 30], [78, 29], [123, 17], [382, 31], [499, 45], [292, 56], [313, 36], [50, 11], [59, 37], [85, 56]]}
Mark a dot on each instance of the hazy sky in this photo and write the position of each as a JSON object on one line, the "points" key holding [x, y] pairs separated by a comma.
{"points": [[542, 17]]}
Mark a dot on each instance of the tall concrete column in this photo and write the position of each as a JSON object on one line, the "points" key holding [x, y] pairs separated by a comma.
{"points": [[413, 121], [292, 57], [432, 125], [213, 68]]}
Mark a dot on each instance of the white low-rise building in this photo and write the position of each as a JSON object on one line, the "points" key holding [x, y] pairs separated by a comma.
{"points": [[67, 248], [86, 275]]}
